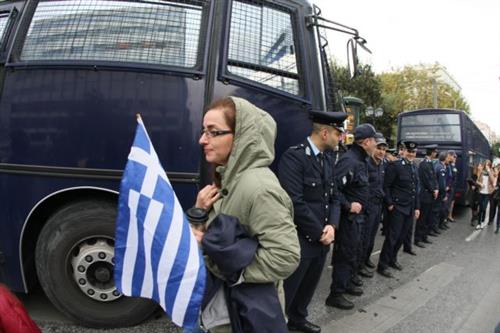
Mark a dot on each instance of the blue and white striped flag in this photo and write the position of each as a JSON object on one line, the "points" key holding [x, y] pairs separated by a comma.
{"points": [[156, 254]]}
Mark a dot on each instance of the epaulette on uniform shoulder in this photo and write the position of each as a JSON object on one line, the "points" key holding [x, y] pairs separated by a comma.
{"points": [[301, 146]]}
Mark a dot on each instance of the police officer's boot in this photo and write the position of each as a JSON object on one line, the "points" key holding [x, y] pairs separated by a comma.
{"points": [[339, 301]]}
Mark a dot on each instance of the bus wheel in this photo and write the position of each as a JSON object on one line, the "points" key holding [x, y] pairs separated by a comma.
{"points": [[75, 261]]}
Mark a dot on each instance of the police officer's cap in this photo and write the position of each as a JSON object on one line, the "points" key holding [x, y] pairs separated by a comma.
{"points": [[334, 119], [392, 151], [379, 139], [429, 149], [408, 145], [364, 131]]}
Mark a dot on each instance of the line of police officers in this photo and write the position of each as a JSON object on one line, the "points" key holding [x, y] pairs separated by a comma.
{"points": [[345, 201]]}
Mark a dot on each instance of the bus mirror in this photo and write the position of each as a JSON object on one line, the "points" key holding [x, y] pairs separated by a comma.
{"points": [[352, 58], [352, 55]]}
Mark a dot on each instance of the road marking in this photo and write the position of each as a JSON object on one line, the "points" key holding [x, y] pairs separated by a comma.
{"points": [[473, 235], [388, 311]]}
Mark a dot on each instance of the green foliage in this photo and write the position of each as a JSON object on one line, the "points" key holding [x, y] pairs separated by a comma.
{"points": [[411, 88], [496, 149], [400, 90]]}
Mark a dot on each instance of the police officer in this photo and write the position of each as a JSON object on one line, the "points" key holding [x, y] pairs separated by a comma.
{"points": [[400, 188], [410, 154], [390, 156], [351, 176], [428, 195], [306, 174], [376, 170], [452, 175], [441, 211]]}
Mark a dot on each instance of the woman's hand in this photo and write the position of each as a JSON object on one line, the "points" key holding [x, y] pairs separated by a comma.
{"points": [[207, 196]]}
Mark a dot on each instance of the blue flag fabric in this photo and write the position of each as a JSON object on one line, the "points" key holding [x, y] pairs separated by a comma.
{"points": [[156, 254]]}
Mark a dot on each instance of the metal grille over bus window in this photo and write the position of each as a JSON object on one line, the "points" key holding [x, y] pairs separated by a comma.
{"points": [[261, 46], [158, 33], [4, 18]]}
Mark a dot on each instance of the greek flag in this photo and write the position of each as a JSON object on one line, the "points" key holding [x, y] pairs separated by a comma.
{"points": [[156, 254]]}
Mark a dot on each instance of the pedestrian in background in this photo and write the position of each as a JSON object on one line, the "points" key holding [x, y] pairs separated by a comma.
{"points": [[493, 202], [496, 198], [486, 179], [306, 173]]}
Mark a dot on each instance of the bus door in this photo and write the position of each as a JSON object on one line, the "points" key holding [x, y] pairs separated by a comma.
{"points": [[263, 60]]}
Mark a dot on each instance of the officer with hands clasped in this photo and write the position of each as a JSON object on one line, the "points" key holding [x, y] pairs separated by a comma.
{"points": [[306, 173], [400, 188], [351, 177]]}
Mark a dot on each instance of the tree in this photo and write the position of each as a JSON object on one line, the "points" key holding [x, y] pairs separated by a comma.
{"points": [[367, 86], [496, 149], [411, 88]]}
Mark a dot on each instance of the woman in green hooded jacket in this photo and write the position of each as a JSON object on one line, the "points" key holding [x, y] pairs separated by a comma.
{"points": [[238, 139]]}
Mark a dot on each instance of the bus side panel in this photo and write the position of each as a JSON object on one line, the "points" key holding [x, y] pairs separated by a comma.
{"points": [[19, 194], [87, 119], [84, 118]]}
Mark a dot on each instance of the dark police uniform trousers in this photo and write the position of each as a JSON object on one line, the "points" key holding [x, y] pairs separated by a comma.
{"points": [[407, 244], [374, 209], [428, 184], [400, 188], [309, 182], [351, 177], [441, 208]]}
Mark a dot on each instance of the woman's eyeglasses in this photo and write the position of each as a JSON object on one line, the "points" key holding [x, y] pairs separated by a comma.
{"points": [[214, 133]]}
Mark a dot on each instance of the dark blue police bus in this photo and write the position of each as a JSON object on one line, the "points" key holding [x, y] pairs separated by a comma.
{"points": [[450, 130], [73, 74]]}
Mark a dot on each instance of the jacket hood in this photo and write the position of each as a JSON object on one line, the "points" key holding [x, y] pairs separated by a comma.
{"points": [[253, 144]]}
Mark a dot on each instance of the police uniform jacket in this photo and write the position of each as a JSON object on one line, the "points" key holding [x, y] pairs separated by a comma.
{"points": [[440, 170], [351, 177], [428, 180], [376, 179], [313, 193], [401, 186]]}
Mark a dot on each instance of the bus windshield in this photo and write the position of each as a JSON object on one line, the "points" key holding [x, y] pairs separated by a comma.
{"points": [[431, 128]]}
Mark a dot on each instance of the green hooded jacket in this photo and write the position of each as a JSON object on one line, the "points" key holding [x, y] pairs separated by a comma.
{"points": [[252, 193]]}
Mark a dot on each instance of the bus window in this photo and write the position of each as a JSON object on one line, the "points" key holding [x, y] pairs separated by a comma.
{"points": [[261, 46], [431, 128], [4, 19], [158, 33]]}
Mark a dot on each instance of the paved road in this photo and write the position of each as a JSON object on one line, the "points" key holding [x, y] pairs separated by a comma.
{"points": [[453, 285]]}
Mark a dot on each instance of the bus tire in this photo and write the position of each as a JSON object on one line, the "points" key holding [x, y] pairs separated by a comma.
{"points": [[74, 262]]}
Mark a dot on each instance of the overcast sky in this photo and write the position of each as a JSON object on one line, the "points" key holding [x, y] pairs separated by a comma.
{"points": [[462, 35]]}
